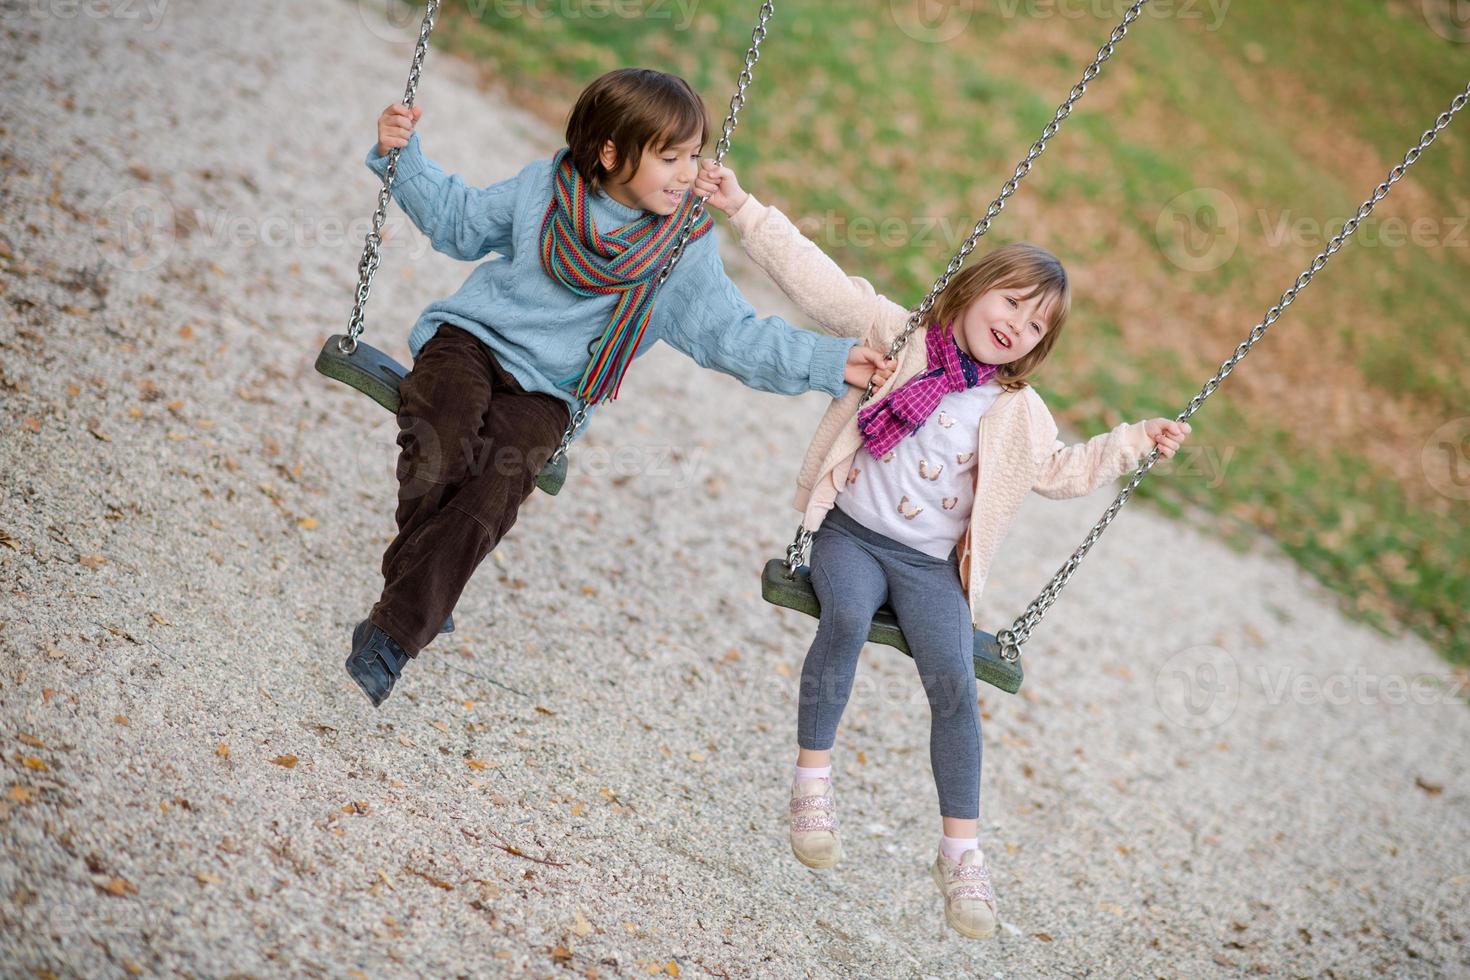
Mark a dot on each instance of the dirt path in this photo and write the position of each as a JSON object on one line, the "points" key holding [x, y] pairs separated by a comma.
{"points": [[1206, 775]]}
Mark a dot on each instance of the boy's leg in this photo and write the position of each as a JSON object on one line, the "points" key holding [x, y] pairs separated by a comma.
{"points": [[455, 526], [850, 586], [444, 402], [935, 618]]}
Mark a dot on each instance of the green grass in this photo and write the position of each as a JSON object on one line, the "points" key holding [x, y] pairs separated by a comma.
{"points": [[1293, 109]]}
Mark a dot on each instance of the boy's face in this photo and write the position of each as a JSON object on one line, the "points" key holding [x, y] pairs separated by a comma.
{"points": [[663, 178], [1002, 325]]}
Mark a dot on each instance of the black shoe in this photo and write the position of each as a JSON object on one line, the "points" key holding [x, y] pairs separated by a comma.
{"points": [[375, 662], [448, 626]]}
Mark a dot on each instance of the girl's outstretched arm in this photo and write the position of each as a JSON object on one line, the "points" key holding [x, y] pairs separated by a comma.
{"points": [[1075, 471], [847, 306]]}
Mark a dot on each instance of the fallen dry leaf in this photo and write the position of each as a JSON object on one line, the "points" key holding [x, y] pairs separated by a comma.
{"points": [[73, 390], [307, 523], [121, 720], [8, 541], [582, 927], [31, 740], [31, 762], [205, 878], [158, 618], [93, 562], [20, 794], [476, 764], [545, 711], [97, 431], [222, 750], [119, 887], [1433, 789], [31, 423], [285, 761], [561, 954]]}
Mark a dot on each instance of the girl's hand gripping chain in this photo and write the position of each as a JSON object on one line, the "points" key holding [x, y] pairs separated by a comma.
{"points": [[719, 187], [1167, 434]]}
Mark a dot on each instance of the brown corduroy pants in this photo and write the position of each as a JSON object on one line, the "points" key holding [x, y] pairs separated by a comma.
{"points": [[471, 442]]}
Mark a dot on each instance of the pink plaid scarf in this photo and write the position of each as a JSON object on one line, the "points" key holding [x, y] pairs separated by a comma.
{"points": [[902, 411]]}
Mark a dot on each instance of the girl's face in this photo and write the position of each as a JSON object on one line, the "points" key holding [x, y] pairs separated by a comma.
{"points": [[662, 181], [1002, 325]]}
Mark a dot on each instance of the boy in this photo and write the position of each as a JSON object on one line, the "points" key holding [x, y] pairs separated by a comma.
{"points": [[554, 321]]}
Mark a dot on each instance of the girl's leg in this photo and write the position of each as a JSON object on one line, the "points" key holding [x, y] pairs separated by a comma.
{"points": [[850, 586], [935, 617]]}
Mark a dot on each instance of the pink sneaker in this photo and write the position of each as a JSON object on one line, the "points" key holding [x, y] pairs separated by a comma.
{"points": [[814, 838], [969, 897]]}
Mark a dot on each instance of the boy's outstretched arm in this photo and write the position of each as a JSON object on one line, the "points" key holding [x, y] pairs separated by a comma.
{"points": [[461, 221], [702, 314]]}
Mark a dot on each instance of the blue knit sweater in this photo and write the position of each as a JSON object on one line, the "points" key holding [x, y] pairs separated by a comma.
{"points": [[540, 331]]}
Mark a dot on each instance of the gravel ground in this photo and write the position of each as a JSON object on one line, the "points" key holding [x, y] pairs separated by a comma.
{"points": [[1211, 772]]}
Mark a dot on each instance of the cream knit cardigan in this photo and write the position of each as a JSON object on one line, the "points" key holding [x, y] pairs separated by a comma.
{"points": [[1017, 445]]}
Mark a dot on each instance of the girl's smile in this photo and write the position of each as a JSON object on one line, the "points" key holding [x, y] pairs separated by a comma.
{"points": [[1003, 325]]}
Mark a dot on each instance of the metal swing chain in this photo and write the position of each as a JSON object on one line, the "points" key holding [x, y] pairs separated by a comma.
{"points": [[796, 552], [1012, 639], [737, 102], [368, 265]]}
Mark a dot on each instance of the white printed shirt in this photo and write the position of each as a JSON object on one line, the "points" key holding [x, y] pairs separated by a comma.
{"points": [[920, 493]]}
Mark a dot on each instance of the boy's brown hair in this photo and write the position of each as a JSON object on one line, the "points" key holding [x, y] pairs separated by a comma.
{"points": [[634, 108], [1019, 266]]}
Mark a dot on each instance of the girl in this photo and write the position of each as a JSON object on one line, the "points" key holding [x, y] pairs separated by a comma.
{"points": [[554, 321], [892, 489]]}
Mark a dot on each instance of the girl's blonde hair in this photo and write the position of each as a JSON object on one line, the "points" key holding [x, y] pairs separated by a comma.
{"points": [[1019, 266]]}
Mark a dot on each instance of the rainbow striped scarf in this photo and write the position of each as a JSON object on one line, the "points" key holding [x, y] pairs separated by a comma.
{"points": [[624, 261]]}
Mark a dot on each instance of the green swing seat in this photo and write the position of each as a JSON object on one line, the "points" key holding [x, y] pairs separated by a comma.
{"points": [[379, 376], [780, 588]]}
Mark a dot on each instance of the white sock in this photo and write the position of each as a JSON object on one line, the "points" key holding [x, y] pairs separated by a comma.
{"points": [[812, 772], [954, 848]]}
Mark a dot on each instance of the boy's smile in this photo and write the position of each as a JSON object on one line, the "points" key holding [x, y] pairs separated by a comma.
{"points": [[663, 179]]}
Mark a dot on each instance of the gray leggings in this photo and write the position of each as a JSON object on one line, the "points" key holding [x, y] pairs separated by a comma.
{"points": [[854, 571]]}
